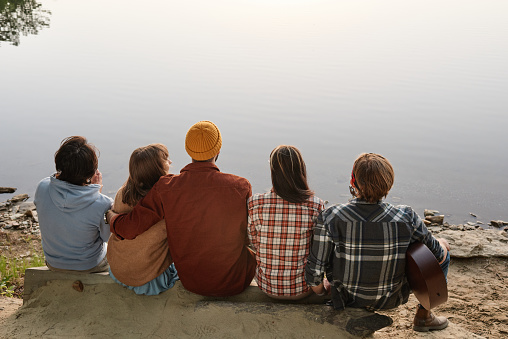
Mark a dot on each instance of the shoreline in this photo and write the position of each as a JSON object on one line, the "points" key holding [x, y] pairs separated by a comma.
{"points": [[452, 214], [20, 213], [477, 306]]}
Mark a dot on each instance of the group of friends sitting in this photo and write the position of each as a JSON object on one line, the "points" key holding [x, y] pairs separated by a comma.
{"points": [[206, 228]]}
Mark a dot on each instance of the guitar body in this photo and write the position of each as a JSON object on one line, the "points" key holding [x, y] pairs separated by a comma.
{"points": [[425, 276]]}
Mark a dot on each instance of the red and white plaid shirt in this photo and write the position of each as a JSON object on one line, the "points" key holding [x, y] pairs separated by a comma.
{"points": [[280, 232]]}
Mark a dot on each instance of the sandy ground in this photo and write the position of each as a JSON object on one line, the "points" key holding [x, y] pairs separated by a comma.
{"points": [[477, 307], [8, 306], [477, 301]]}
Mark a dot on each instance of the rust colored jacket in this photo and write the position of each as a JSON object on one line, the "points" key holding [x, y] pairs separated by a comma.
{"points": [[206, 220]]}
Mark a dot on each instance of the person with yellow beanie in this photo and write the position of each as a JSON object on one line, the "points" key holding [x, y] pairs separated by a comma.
{"points": [[203, 141], [205, 212]]}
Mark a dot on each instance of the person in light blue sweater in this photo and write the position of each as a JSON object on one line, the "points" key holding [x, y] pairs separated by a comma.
{"points": [[71, 210]]}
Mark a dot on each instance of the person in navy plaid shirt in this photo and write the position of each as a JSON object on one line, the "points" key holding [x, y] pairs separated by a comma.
{"points": [[361, 246], [280, 226]]}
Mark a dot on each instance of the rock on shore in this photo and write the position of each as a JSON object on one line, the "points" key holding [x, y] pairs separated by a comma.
{"points": [[19, 214], [466, 240]]}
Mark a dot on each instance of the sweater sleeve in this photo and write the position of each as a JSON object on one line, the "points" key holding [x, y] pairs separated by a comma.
{"points": [[145, 214]]}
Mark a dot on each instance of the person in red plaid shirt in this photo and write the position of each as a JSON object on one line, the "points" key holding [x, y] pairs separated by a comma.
{"points": [[280, 226]]}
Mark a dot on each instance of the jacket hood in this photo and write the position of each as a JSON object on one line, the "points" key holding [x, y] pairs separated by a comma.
{"points": [[69, 197]]}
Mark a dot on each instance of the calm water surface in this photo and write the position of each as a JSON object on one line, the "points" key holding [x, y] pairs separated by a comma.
{"points": [[423, 83]]}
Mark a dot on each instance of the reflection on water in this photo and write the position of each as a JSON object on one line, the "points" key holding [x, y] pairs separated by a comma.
{"points": [[423, 83], [21, 17]]}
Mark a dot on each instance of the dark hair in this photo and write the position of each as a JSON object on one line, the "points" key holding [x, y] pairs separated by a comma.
{"points": [[76, 160], [289, 175], [374, 174], [146, 166]]}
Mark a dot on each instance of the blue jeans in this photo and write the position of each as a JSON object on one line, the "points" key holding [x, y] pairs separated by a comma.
{"points": [[444, 266], [155, 286]]}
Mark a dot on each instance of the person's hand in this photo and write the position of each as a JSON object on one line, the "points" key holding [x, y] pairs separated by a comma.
{"points": [[446, 248], [109, 215], [327, 286], [444, 243], [322, 289], [97, 178]]}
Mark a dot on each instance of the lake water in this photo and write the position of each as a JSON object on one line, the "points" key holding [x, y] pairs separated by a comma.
{"points": [[424, 83]]}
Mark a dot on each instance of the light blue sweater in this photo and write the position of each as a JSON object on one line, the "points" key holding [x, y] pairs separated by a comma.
{"points": [[71, 219]]}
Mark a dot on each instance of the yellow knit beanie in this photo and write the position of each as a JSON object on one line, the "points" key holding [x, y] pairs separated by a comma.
{"points": [[203, 141]]}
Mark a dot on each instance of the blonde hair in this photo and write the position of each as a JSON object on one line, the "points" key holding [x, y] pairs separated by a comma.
{"points": [[373, 177]]}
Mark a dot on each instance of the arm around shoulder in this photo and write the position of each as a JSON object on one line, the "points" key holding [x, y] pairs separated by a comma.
{"points": [[144, 215]]}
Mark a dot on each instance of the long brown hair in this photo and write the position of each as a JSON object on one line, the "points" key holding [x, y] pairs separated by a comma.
{"points": [[76, 160], [374, 175], [289, 174], [146, 166]]}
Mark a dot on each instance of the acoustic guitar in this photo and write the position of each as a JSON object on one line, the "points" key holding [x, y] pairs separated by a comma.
{"points": [[425, 276]]}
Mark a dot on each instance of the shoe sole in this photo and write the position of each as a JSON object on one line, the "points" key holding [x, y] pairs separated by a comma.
{"points": [[430, 328]]}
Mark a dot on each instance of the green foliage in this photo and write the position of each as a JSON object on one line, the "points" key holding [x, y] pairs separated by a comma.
{"points": [[21, 17], [6, 289], [12, 272], [10, 3]]}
